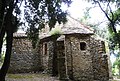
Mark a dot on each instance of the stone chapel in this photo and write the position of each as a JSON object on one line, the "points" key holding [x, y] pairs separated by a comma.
{"points": [[74, 55]]}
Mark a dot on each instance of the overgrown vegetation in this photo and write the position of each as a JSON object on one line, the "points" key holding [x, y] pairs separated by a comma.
{"points": [[56, 31]]}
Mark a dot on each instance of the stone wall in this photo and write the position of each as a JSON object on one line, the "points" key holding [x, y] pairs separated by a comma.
{"points": [[77, 57], [86, 58], [100, 60], [37, 58], [51, 53], [44, 57], [79, 62], [62, 69], [48, 53], [47, 56], [53, 57], [23, 57]]}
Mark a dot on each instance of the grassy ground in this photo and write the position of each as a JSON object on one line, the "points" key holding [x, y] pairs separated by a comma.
{"points": [[30, 77], [38, 77]]}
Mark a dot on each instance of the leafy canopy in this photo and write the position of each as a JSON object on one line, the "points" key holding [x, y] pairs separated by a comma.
{"points": [[39, 12], [108, 7]]}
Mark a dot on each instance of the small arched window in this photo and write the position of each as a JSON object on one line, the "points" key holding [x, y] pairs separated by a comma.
{"points": [[82, 46]]}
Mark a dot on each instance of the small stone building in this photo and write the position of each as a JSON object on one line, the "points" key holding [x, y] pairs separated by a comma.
{"points": [[75, 55]]}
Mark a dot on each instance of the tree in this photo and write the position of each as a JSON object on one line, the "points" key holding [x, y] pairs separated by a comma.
{"points": [[86, 18], [115, 37], [39, 10], [46, 11], [106, 7], [117, 63], [6, 26], [111, 9]]}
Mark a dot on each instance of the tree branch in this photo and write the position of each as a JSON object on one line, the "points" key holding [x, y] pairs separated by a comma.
{"points": [[103, 11], [111, 20], [111, 12]]}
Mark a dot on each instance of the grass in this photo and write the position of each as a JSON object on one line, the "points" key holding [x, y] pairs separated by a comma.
{"points": [[26, 76], [19, 76]]}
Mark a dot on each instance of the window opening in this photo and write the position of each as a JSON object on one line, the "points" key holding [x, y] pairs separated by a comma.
{"points": [[82, 46], [45, 48]]}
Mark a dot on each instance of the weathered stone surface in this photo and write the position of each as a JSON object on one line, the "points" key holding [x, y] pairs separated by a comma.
{"points": [[73, 61], [77, 57], [48, 54], [23, 58], [81, 61], [100, 61], [50, 60], [62, 69]]}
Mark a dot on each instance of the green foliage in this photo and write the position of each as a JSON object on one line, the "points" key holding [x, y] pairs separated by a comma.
{"points": [[114, 39], [56, 31], [85, 19], [32, 34], [115, 18], [39, 12], [86, 13], [116, 15], [115, 70], [116, 66], [106, 7], [101, 32]]}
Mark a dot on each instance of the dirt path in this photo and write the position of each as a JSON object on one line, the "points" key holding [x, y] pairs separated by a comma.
{"points": [[30, 77]]}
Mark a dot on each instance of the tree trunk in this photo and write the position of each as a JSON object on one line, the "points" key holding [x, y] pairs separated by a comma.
{"points": [[2, 29], [9, 38], [2, 33], [6, 63]]}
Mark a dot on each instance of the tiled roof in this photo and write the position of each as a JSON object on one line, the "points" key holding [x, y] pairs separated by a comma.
{"points": [[19, 35], [44, 35], [74, 26], [75, 30]]}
